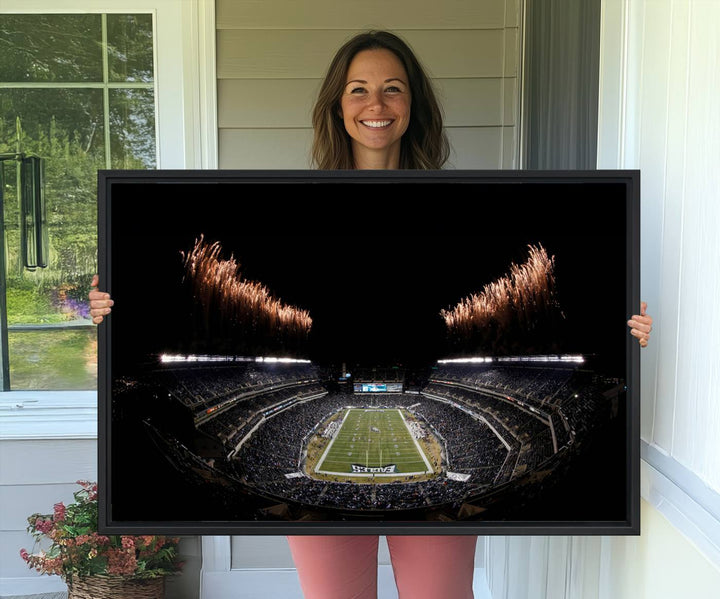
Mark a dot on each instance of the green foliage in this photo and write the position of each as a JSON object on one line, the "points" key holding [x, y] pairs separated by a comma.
{"points": [[48, 47], [25, 304]]}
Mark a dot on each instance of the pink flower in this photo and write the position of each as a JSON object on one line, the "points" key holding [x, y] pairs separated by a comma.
{"points": [[89, 488], [25, 555], [53, 565], [145, 540], [44, 526], [128, 542], [59, 512], [121, 561]]}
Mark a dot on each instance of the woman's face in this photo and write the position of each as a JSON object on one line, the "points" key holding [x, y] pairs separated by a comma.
{"points": [[375, 105]]}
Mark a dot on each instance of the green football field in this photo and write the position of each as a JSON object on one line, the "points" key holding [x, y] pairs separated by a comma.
{"points": [[373, 442]]}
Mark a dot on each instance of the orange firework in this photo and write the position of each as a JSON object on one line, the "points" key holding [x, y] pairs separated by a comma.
{"points": [[527, 291], [218, 285]]}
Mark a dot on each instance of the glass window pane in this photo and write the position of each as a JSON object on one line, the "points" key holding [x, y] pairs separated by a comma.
{"points": [[53, 121], [132, 128], [52, 341], [38, 48], [65, 128], [130, 48]]}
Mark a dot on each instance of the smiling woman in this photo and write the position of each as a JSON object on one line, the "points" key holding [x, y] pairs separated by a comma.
{"points": [[377, 109]]}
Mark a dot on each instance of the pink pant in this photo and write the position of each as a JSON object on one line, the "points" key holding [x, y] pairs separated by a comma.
{"points": [[431, 567]]}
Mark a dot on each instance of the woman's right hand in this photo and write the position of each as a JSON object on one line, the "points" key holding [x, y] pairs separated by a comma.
{"points": [[100, 302]]}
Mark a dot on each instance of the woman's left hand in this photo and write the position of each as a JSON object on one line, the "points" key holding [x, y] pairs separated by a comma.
{"points": [[641, 325], [100, 302]]}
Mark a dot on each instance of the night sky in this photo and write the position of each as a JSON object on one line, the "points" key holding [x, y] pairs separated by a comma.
{"points": [[373, 263]]}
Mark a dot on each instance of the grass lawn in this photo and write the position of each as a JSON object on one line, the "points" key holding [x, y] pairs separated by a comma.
{"points": [[55, 359]]}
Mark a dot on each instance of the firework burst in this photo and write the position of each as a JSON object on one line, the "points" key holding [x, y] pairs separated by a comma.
{"points": [[513, 302], [225, 295]]}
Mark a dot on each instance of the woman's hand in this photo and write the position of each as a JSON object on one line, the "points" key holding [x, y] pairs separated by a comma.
{"points": [[100, 302], [641, 325]]}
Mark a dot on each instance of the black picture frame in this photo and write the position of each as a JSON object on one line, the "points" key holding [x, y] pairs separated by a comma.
{"points": [[378, 245]]}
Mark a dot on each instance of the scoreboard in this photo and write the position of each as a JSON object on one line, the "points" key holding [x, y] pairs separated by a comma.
{"points": [[377, 387]]}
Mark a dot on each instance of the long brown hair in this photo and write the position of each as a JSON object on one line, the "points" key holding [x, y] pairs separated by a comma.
{"points": [[424, 144]]}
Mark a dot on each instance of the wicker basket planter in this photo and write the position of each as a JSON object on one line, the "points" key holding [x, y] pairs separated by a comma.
{"points": [[116, 587]]}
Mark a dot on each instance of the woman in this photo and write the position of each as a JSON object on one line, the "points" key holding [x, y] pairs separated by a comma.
{"points": [[363, 118], [377, 110]]}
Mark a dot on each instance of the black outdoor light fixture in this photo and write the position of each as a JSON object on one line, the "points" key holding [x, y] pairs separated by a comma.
{"points": [[33, 235], [33, 211]]}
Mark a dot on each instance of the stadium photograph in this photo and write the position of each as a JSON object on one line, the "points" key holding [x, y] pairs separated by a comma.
{"points": [[355, 363]]}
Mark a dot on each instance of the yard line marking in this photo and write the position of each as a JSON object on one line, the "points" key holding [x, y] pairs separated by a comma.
{"points": [[420, 451], [335, 436]]}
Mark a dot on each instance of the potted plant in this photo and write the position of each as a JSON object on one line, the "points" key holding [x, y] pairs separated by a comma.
{"points": [[93, 565]]}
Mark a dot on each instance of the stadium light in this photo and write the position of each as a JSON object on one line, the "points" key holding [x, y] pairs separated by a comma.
{"points": [[281, 360], [574, 359], [562, 359], [478, 360], [179, 358]]}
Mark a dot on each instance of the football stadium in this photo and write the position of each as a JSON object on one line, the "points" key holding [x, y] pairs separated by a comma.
{"points": [[295, 445], [297, 426]]}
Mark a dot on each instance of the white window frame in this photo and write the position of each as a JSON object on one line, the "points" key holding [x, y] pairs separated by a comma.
{"points": [[186, 130]]}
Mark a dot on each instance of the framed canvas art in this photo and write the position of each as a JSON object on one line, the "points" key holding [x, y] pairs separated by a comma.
{"points": [[377, 352]]}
